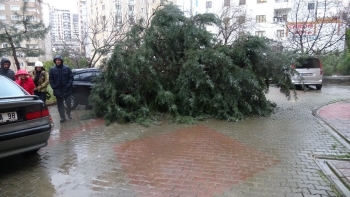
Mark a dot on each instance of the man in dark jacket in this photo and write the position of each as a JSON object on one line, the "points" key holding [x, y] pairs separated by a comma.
{"points": [[61, 79], [5, 69]]}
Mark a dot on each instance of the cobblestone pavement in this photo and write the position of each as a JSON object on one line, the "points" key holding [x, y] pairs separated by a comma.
{"points": [[337, 116], [260, 156]]}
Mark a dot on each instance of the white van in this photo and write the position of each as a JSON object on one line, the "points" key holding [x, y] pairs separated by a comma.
{"points": [[309, 73]]}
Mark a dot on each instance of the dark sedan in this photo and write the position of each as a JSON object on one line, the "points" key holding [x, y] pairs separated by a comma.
{"points": [[82, 85], [24, 120]]}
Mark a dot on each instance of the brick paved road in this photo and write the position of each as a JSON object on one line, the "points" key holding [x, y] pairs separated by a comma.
{"points": [[262, 156]]}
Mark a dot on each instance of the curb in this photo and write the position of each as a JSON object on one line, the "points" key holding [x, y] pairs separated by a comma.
{"points": [[334, 180], [315, 113], [340, 175]]}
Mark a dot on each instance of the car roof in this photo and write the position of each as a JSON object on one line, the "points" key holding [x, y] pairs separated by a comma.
{"points": [[82, 70]]}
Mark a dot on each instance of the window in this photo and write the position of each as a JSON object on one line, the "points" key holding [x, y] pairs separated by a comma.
{"points": [[4, 45], [103, 7], [142, 10], [208, 4], [84, 76], [118, 7], [261, 18], [2, 17], [15, 17], [2, 6], [242, 2], [131, 8], [241, 20], [153, 1], [280, 33], [262, 1], [31, 18], [311, 6], [14, 7], [227, 3], [131, 20], [260, 33], [118, 19]]}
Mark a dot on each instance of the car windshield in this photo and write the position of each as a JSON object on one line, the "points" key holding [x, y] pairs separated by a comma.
{"points": [[9, 89], [310, 63]]}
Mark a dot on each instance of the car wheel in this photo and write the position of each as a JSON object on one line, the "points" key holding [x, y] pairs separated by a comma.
{"points": [[318, 87], [73, 103], [298, 87]]}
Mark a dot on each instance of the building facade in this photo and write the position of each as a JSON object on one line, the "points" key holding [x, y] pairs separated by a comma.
{"points": [[35, 14], [115, 18], [65, 30], [290, 22]]}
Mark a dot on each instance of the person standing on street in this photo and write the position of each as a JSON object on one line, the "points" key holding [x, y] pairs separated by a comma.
{"points": [[25, 81], [61, 79], [5, 69], [41, 80]]}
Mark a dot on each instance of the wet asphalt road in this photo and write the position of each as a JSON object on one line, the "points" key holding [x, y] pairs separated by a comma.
{"points": [[262, 156]]}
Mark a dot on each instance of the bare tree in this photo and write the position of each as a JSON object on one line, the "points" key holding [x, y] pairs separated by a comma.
{"points": [[314, 27], [101, 34], [234, 21]]}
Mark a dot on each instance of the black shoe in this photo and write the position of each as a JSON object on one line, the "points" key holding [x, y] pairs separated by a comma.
{"points": [[70, 116], [63, 120]]}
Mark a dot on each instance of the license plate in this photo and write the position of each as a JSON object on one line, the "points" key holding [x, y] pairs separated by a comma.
{"points": [[8, 117], [306, 74]]}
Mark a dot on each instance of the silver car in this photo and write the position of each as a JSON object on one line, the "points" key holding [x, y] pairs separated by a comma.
{"points": [[309, 73], [24, 120]]}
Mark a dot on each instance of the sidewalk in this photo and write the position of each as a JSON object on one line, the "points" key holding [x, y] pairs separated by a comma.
{"points": [[337, 116]]}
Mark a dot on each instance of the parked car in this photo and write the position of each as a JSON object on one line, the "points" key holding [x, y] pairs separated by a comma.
{"points": [[82, 85], [309, 73], [24, 120]]}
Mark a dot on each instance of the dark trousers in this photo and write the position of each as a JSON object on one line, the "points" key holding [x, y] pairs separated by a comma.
{"points": [[60, 105], [41, 95]]}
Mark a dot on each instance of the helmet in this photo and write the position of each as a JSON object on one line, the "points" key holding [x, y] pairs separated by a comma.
{"points": [[39, 64]]}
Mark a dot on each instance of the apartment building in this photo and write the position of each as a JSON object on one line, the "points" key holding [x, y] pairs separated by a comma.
{"points": [[282, 20], [65, 30], [34, 11], [115, 18], [83, 25]]}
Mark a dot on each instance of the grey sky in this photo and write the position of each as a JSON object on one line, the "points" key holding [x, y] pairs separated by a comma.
{"points": [[63, 4]]}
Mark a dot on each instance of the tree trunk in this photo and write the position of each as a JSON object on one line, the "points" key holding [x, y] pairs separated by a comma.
{"points": [[14, 54]]}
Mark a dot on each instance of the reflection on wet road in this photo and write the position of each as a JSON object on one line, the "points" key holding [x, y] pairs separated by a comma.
{"points": [[272, 156]]}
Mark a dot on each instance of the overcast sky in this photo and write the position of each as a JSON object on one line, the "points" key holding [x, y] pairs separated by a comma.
{"points": [[64, 4]]}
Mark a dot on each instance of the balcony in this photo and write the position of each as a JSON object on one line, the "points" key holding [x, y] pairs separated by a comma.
{"points": [[283, 4], [279, 19]]}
